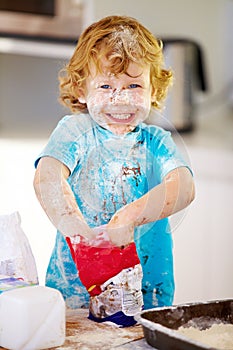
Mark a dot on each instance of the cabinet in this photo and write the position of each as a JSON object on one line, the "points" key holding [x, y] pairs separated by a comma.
{"points": [[203, 239]]}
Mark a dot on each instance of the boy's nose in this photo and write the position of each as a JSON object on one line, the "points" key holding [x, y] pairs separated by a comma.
{"points": [[119, 96]]}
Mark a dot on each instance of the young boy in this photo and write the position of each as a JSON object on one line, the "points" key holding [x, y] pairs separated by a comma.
{"points": [[104, 166]]}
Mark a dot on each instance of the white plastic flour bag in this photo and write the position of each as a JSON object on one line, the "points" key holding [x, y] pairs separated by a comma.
{"points": [[16, 258]]}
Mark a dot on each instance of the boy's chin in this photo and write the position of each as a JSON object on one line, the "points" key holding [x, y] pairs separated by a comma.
{"points": [[117, 127]]}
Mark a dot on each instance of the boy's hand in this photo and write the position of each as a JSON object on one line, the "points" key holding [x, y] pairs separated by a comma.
{"points": [[120, 228]]}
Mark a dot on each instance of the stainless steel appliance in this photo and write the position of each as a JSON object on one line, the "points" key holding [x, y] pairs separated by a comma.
{"points": [[186, 59], [58, 19]]}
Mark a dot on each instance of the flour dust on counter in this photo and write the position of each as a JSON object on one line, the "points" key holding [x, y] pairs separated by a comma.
{"points": [[84, 334]]}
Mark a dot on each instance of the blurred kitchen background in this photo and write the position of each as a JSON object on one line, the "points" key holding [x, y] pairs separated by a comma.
{"points": [[198, 46]]}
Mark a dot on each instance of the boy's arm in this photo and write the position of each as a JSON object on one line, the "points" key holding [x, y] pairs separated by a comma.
{"points": [[174, 194], [57, 199]]}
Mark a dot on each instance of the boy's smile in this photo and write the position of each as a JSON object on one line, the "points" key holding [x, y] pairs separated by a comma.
{"points": [[119, 102]]}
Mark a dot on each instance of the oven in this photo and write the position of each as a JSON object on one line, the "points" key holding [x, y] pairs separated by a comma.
{"points": [[42, 19]]}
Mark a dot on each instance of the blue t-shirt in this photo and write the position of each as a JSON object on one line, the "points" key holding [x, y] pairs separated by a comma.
{"points": [[107, 171]]}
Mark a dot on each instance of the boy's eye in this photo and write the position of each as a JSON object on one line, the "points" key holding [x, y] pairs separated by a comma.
{"points": [[105, 86], [133, 86]]}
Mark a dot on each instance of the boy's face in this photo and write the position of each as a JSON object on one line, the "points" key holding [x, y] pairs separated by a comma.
{"points": [[119, 103]]}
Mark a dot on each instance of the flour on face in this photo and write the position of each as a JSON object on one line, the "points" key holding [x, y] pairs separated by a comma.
{"points": [[119, 103]]}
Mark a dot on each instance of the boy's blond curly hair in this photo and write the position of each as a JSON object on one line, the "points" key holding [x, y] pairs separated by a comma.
{"points": [[121, 40]]}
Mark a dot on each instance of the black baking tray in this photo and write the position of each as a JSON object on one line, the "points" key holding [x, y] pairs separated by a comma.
{"points": [[160, 324]]}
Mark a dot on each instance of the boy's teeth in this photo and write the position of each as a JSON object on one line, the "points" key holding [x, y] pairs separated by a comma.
{"points": [[121, 116]]}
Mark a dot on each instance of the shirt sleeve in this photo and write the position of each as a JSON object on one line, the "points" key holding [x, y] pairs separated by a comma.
{"points": [[65, 142], [167, 155]]}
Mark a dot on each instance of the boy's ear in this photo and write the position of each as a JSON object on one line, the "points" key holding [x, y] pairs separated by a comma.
{"points": [[81, 95]]}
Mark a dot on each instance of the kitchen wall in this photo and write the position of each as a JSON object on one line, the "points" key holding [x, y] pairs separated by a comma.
{"points": [[29, 94], [29, 111]]}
